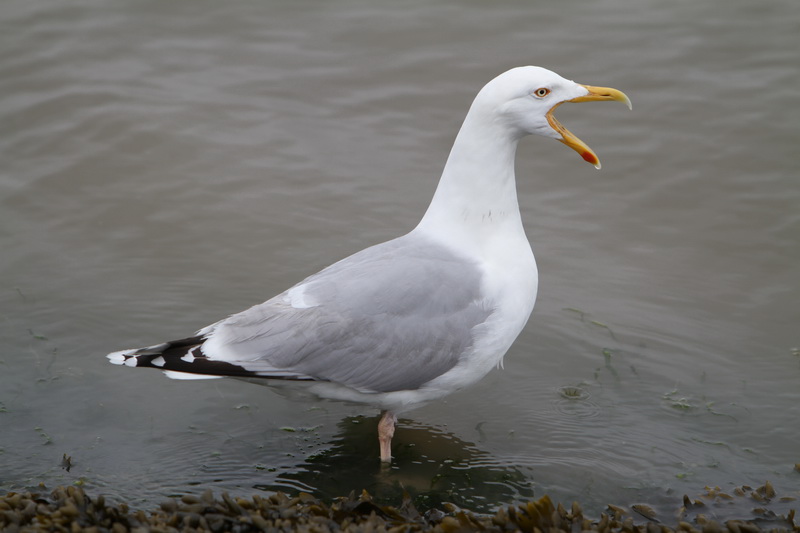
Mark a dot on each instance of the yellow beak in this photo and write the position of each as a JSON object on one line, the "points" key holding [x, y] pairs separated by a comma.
{"points": [[567, 137]]}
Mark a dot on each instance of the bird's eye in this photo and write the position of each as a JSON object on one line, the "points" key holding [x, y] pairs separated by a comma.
{"points": [[541, 92]]}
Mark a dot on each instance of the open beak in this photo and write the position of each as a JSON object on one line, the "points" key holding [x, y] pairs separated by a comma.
{"points": [[595, 94]]}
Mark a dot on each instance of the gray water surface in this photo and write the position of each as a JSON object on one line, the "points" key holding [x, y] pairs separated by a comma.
{"points": [[163, 165]]}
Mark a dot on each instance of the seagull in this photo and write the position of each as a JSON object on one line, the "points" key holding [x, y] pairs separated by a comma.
{"points": [[413, 319]]}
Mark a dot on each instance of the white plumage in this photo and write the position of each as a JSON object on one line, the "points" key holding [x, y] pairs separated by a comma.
{"points": [[418, 317]]}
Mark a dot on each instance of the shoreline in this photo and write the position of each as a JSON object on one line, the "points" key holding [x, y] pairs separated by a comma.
{"points": [[72, 509]]}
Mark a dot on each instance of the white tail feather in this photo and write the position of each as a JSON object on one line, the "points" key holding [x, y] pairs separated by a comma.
{"points": [[171, 374]]}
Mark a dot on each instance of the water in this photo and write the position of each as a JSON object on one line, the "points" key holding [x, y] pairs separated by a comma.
{"points": [[166, 164]]}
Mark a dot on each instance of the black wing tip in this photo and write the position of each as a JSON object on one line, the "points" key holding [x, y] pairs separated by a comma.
{"points": [[182, 355], [185, 356], [145, 356]]}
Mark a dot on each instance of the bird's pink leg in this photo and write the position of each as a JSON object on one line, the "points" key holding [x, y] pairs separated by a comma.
{"points": [[385, 434]]}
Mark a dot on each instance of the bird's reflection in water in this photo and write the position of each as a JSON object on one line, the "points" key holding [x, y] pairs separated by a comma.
{"points": [[432, 465]]}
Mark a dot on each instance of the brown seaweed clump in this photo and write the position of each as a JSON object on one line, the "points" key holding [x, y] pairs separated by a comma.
{"points": [[71, 509]]}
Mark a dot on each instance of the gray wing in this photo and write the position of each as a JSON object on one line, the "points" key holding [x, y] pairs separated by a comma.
{"points": [[391, 317]]}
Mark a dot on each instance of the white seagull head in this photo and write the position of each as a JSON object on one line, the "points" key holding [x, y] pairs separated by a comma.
{"points": [[523, 100]]}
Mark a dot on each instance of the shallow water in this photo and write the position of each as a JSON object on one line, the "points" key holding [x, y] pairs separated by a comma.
{"points": [[166, 164]]}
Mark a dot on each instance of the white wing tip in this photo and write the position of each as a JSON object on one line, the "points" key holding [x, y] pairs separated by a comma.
{"points": [[123, 357]]}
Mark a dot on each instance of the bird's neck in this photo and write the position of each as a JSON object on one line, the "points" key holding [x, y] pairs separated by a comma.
{"points": [[476, 197]]}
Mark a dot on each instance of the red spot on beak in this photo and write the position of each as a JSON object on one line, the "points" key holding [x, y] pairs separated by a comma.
{"points": [[589, 157]]}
